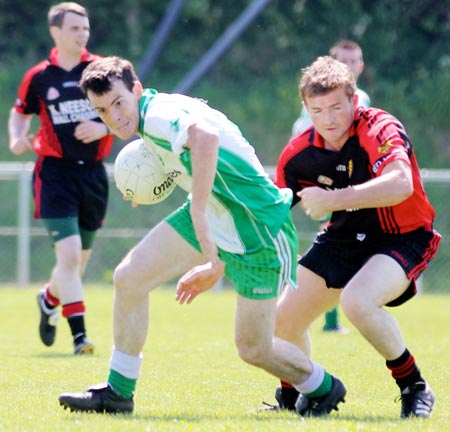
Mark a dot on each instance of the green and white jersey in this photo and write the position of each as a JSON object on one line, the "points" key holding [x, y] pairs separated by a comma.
{"points": [[363, 98], [245, 210]]}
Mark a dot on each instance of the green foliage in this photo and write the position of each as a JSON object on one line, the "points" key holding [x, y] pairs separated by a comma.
{"points": [[422, 107], [405, 45], [192, 378]]}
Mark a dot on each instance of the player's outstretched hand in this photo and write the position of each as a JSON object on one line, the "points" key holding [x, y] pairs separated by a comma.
{"points": [[197, 280]]}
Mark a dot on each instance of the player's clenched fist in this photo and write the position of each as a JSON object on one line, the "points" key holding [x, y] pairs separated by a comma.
{"points": [[22, 144], [315, 202]]}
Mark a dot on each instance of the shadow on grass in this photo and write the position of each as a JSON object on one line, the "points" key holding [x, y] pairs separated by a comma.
{"points": [[56, 355], [245, 417], [334, 418]]}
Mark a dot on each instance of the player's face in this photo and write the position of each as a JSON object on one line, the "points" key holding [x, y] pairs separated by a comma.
{"points": [[73, 35], [352, 58], [332, 115], [119, 108]]}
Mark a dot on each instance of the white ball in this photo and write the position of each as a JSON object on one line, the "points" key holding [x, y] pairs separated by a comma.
{"points": [[140, 176]]}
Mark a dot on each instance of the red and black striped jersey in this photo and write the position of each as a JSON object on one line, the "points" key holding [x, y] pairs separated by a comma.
{"points": [[376, 139], [53, 94]]}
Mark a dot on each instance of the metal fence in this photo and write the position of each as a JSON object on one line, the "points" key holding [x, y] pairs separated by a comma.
{"points": [[26, 255]]}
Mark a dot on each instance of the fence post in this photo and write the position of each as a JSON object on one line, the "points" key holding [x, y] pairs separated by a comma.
{"points": [[23, 238]]}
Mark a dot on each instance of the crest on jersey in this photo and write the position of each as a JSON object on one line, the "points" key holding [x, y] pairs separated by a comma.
{"points": [[52, 94], [325, 180], [175, 125], [384, 148], [350, 168]]}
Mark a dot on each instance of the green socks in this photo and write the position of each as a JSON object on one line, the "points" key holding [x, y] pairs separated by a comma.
{"points": [[324, 388], [331, 319], [122, 385]]}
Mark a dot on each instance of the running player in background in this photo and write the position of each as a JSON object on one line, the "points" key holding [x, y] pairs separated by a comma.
{"points": [[359, 165], [69, 181]]}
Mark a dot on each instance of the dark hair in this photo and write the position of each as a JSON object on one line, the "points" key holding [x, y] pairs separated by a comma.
{"points": [[100, 75], [57, 13]]}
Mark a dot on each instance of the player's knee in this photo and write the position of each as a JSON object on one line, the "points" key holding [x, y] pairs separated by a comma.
{"points": [[253, 354], [122, 279], [354, 306], [69, 260]]}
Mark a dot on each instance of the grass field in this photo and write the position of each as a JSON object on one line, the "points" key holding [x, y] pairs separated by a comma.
{"points": [[192, 378]]}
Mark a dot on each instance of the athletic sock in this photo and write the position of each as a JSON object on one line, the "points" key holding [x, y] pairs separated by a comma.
{"points": [[323, 389], [404, 370], [318, 384], [50, 301], [77, 328], [122, 385], [124, 372], [74, 312], [331, 319], [289, 395]]}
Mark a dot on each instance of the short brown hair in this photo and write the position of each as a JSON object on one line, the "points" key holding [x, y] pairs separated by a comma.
{"points": [[57, 13], [324, 75], [100, 75]]}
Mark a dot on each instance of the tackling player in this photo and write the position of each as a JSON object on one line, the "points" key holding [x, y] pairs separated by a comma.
{"points": [[350, 53], [359, 165]]}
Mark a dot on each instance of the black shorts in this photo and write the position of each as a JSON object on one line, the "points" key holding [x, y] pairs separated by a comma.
{"points": [[337, 258], [65, 189]]}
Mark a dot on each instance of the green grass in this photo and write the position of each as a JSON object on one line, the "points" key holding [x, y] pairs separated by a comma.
{"points": [[192, 378]]}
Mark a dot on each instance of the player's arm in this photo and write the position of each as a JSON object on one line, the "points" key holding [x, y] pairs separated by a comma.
{"points": [[88, 131], [203, 142], [18, 126], [393, 186]]}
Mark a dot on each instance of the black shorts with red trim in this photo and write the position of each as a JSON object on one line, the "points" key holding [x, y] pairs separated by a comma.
{"points": [[64, 188], [338, 257]]}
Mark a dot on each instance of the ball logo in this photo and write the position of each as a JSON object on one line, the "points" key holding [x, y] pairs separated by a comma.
{"points": [[165, 186], [129, 193]]}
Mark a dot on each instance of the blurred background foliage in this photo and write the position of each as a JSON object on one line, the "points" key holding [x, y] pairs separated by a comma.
{"points": [[407, 57], [405, 43]]}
